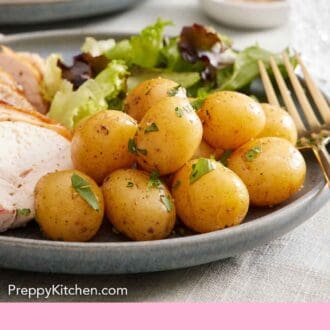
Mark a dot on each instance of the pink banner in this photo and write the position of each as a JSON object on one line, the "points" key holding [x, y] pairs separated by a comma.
{"points": [[162, 316]]}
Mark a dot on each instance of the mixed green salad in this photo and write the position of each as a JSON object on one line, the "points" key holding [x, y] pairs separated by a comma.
{"points": [[199, 59]]}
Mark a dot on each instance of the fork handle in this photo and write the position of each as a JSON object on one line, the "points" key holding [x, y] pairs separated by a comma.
{"points": [[323, 157]]}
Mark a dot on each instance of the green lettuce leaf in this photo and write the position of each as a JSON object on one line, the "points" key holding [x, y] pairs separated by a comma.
{"points": [[69, 107], [97, 47], [143, 49], [121, 51], [52, 77], [245, 69]]}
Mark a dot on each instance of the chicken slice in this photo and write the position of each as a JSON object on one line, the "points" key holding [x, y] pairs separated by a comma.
{"points": [[10, 113], [10, 96], [26, 75], [27, 152]]}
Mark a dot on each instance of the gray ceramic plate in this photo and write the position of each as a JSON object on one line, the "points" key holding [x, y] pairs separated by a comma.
{"points": [[108, 253], [13, 12]]}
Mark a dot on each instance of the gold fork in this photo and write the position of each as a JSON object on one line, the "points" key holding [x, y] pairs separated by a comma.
{"points": [[316, 134]]}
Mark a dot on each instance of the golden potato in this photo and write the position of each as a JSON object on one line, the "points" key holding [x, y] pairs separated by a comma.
{"points": [[145, 95], [204, 150], [272, 169], [139, 207], [230, 119], [209, 196], [62, 212], [168, 135], [278, 124], [99, 144]]}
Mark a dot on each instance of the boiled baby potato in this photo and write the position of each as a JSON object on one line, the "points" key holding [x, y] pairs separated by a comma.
{"points": [[209, 196], [138, 206], [272, 169], [204, 150], [69, 206], [99, 144], [230, 119], [278, 124], [168, 135], [145, 95]]}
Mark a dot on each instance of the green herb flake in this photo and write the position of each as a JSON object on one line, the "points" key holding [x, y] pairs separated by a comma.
{"points": [[148, 91], [166, 200], [82, 187], [200, 168], [151, 128], [130, 184], [132, 146], [142, 151], [174, 90], [197, 103], [252, 153], [134, 149], [224, 157], [176, 184], [154, 180], [178, 112], [23, 212]]}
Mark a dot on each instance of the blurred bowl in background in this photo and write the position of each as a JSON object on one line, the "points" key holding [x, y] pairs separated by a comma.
{"points": [[19, 12], [252, 14]]}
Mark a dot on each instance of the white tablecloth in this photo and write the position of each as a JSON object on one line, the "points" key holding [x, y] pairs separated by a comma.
{"points": [[295, 267]]}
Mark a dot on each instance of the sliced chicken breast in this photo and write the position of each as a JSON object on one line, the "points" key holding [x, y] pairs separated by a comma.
{"points": [[27, 152], [35, 60], [10, 113], [7, 79], [9, 96], [26, 75]]}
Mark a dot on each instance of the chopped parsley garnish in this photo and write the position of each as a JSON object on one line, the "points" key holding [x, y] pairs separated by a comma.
{"points": [[197, 104], [154, 180], [252, 153], [132, 146], [134, 149], [151, 128], [148, 91], [82, 187], [224, 157], [130, 184], [176, 184], [178, 112], [200, 168], [174, 90], [167, 202], [142, 151], [23, 212]]}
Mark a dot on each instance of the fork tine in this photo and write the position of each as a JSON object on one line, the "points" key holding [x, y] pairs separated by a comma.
{"points": [[287, 97], [270, 93], [318, 98], [305, 105]]}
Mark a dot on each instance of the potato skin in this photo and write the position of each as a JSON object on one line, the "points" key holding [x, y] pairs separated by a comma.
{"points": [[99, 144], [216, 200], [61, 212], [206, 151], [230, 119], [274, 175], [135, 209], [278, 124], [177, 138], [140, 99]]}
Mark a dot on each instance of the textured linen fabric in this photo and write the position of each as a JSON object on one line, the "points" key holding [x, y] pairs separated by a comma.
{"points": [[293, 268]]}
